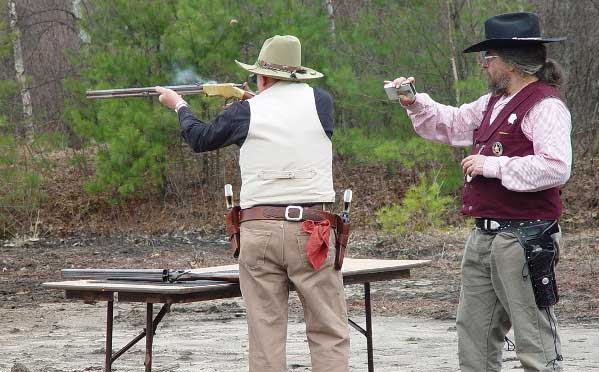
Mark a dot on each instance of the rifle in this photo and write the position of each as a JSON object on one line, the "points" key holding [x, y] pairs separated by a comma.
{"points": [[149, 275], [226, 90]]}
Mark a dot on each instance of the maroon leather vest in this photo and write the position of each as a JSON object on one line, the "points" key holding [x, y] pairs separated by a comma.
{"points": [[487, 197]]}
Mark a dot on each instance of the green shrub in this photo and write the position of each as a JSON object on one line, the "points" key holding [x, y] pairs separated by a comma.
{"points": [[21, 191], [423, 207], [393, 148]]}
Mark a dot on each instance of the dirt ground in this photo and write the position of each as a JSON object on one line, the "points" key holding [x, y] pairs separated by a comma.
{"points": [[413, 326]]}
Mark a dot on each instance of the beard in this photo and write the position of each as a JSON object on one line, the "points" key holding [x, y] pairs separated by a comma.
{"points": [[498, 84]]}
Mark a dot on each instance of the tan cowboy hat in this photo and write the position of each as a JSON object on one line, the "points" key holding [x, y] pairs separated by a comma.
{"points": [[281, 58]]}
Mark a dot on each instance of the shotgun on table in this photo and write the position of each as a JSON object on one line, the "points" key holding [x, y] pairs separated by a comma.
{"points": [[150, 275]]}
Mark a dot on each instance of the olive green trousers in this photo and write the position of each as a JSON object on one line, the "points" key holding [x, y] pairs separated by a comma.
{"points": [[495, 296]]}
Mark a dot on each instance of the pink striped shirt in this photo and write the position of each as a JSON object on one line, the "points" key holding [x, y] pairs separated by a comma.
{"points": [[547, 125]]}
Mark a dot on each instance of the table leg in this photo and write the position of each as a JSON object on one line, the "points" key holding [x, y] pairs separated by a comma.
{"points": [[108, 348], [149, 336], [161, 314], [368, 311], [368, 331]]}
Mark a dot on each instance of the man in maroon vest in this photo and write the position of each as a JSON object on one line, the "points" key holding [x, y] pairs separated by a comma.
{"points": [[521, 156]]}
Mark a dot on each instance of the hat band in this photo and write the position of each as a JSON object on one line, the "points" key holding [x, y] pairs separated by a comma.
{"points": [[527, 38], [284, 68]]}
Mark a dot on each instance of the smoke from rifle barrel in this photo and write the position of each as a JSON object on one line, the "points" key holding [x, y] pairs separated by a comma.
{"points": [[188, 76]]}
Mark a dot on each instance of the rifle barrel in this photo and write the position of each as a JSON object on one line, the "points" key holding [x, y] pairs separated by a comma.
{"points": [[191, 278]]}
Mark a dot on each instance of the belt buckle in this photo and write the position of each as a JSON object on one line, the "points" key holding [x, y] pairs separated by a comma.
{"points": [[491, 225], [291, 207]]}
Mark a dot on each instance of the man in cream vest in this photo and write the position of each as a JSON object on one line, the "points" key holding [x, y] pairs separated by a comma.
{"points": [[284, 134]]}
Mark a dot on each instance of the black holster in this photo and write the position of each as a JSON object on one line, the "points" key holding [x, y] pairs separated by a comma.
{"points": [[341, 239], [541, 253]]}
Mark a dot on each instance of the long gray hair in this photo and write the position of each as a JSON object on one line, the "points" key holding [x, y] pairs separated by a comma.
{"points": [[532, 60]]}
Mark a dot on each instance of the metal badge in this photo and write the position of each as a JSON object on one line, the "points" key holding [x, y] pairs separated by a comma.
{"points": [[497, 148]]}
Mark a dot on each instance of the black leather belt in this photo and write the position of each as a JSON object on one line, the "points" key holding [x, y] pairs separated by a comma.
{"points": [[494, 225]]}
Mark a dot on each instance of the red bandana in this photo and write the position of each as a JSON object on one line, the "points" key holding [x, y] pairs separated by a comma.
{"points": [[317, 246]]}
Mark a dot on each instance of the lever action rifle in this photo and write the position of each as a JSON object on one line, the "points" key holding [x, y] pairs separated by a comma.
{"points": [[226, 90], [150, 275]]}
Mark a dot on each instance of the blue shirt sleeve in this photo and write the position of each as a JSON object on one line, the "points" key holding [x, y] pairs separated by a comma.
{"points": [[229, 127], [324, 108]]}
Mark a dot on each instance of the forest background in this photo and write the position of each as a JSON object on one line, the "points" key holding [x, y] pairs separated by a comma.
{"points": [[70, 165]]}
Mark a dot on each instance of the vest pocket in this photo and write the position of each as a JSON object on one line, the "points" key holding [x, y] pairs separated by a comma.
{"points": [[288, 174], [253, 247]]}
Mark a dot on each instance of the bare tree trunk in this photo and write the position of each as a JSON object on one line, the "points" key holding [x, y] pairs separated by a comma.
{"points": [[83, 36], [29, 129], [452, 57], [331, 11], [577, 20]]}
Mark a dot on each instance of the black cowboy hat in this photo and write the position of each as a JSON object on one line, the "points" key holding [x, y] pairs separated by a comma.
{"points": [[511, 30]]}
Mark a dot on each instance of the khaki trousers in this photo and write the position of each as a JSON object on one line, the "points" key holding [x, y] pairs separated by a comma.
{"points": [[272, 255], [493, 298]]}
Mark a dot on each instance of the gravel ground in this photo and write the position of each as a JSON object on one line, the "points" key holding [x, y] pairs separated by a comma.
{"points": [[413, 325]]}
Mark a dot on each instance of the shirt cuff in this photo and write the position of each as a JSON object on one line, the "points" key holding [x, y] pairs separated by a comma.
{"points": [[182, 103], [416, 106], [492, 167]]}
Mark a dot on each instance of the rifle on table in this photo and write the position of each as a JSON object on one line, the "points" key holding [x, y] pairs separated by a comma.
{"points": [[150, 275], [226, 90]]}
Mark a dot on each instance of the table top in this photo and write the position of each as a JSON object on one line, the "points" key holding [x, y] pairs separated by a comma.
{"points": [[355, 270]]}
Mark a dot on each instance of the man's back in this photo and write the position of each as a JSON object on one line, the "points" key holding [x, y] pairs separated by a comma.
{"points": [[287, 156]]}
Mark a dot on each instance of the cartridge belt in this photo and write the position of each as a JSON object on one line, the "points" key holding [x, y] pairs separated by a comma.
{"points": [[294, 213], [495, 225]]}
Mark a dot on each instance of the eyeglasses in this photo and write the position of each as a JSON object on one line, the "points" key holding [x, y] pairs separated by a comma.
{"points": [[485, 60], [253, 78]]}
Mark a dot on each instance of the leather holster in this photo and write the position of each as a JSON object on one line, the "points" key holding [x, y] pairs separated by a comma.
{"points": [[341, 239], [232, 226]]}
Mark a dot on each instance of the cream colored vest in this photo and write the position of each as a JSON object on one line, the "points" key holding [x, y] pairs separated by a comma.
{"points": [[286, 157]]}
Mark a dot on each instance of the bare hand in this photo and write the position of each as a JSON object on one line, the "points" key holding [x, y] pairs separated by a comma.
{"points": [[168, 97], [473, 165], [403, 99]]}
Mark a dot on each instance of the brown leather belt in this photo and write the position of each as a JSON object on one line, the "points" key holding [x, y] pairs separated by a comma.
{"points": [[289, 213]]}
